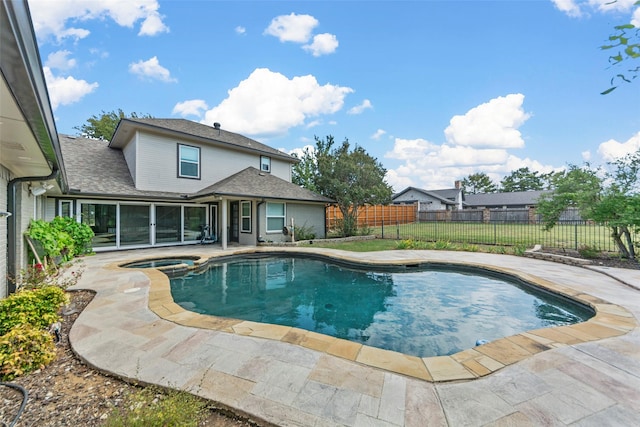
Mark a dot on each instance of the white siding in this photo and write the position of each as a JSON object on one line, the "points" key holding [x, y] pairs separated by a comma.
{"points": [[311, 216], [426, 202], [157, 165], [129, 152]]}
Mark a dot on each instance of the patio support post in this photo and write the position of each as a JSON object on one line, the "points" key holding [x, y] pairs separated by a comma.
{"points": [[223, 224]]}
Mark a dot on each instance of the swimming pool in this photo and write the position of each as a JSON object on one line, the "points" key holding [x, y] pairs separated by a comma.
{"points": [[420, 310], [159, 262]]}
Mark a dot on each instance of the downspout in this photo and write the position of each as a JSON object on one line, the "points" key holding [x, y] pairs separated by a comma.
{"points": [[261, 202], [12, 233]]}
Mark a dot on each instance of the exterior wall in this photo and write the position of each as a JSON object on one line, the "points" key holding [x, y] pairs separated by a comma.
{"points": [[426, 203], [157, 166], [311, 216], [4, 180], [129, 152], [249, 239], [25, 205]]}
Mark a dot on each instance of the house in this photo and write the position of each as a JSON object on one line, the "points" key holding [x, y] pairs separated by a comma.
{"points": [[512, 200], [431, 200], [29, 148], [159, 181]]}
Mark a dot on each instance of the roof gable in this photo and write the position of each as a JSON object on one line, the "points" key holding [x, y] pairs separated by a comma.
{"points": [[445, 196]]}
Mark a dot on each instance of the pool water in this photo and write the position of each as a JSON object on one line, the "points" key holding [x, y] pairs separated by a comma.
{"points": [[424, 312]]}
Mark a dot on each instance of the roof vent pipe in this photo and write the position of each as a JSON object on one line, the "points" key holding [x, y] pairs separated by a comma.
{"points": [[216, 125]]}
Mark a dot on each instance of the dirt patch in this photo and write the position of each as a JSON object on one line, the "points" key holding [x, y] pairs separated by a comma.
{"points": [[68, 392]]}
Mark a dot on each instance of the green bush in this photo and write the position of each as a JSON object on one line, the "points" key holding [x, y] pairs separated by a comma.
{"points": [[36, 307], [304, 232], [80, 233], [153, 408], [588, 252], [23, 349]]}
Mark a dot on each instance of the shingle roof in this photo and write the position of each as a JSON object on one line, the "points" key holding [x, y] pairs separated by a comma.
{"points": [[442, 195], [202, 132], [95, 169], [252, 183], [504, 199]]}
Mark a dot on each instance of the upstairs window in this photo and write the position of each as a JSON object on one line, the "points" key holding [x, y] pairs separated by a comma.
{"points": [[265, 164], [189, 161]]}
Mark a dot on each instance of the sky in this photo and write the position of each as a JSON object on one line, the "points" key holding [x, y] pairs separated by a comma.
{"points": [[434, 90]]}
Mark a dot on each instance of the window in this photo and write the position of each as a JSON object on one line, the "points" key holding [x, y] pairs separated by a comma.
{"points": [[245, 217], [189, 161], [65, 208], [275, 217], [265, 164]]}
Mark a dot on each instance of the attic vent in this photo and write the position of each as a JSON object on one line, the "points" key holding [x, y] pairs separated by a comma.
{"points": [[216, 125]]}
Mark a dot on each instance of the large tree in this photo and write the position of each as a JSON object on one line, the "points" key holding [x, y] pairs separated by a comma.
{"points": [[522, 179], [304, 172], [351, 177], [103, 126], [478, 183], [611, 198]]}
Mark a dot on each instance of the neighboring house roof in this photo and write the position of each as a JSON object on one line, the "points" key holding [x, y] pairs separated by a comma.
{"points": [[95, 169], [192, 130], [250, 182], [504, 199], [442, 195]]}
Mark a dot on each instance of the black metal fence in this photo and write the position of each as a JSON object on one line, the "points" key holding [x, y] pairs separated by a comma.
{"points": [[510, 227]]}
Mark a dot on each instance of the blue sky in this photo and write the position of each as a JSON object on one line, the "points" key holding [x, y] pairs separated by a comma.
{"points": [[435, 90]]}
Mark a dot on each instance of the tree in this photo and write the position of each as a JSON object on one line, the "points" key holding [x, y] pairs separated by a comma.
{"points": [[627, 39], [103, 126], [478, 183], [304, 172], [522, 179], [608, 198], [351, 177]]}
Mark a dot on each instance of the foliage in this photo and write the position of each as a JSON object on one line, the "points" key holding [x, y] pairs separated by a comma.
{"points": [[304, 232], [36, 307], [588, 252], [522, 179], [81, 233], [153, 408], [304, 172], [609, 198], [37, 276], [103, 126], [63, 236], [24, 349], [352, 178], [627, 42], [478, 183]]}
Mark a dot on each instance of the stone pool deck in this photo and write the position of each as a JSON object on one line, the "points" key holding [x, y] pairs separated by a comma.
{"points": [[586, 374]]}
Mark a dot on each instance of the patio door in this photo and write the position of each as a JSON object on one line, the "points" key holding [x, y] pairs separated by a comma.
{"points": [[234, 234], [135, 222]]}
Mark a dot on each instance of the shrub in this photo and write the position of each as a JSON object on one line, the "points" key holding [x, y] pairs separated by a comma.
{"points": [[80, 233], [153, 408], [588, 252], [23, 349], [304, 232], [36, 307]]}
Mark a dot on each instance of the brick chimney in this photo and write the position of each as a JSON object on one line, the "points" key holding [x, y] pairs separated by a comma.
{"points": [[457, 184]]}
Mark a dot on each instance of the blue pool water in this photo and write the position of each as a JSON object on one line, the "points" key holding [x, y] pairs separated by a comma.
{"points": [[418, 311]]}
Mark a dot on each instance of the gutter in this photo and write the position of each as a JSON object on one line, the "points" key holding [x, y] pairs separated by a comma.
{"points": [[12, 232]]}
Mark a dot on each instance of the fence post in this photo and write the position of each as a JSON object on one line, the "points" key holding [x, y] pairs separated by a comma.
{"points": [[495, 233], [575, 235], [383, 223], [397, 230]]}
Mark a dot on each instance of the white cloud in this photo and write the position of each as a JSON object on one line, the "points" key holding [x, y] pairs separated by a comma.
{"points": [[378, 134], [299, 152], [493, 124], [358, 109], [323, 44], [268, 103], [152, 70], [586, 155], [54, 18], [292, 28], [66, 90], [579, 8], [60, 60], [570, 7], [193, 107], [240, 30], [612, 149]]}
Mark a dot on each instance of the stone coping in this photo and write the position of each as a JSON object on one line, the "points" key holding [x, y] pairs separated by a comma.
{"points": [[610, 320]]}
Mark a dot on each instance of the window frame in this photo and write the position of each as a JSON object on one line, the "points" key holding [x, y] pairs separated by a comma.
{"points": [[283, 216], [243, 217], [198, 163], [265, 161]]}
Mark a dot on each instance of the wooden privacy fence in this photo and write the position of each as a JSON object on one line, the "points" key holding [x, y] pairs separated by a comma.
{"points": [[375, 216]]}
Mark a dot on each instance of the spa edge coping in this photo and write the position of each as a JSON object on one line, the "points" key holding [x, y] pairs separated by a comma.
{"points": [[610, 320]]}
